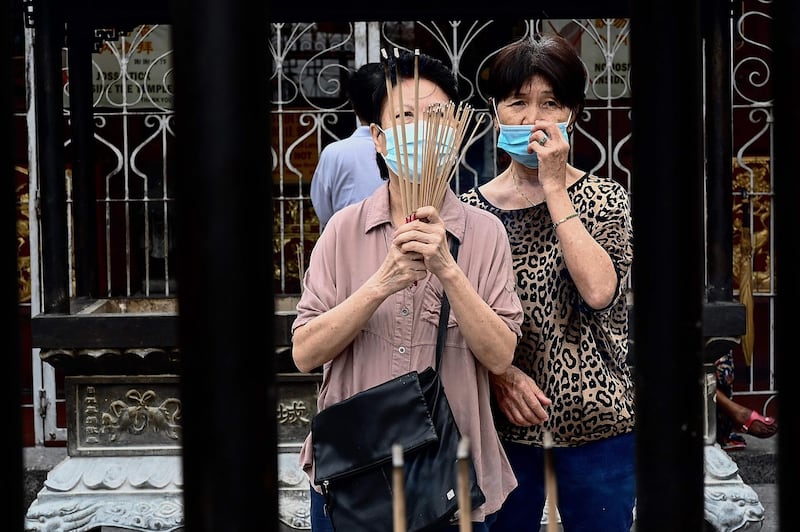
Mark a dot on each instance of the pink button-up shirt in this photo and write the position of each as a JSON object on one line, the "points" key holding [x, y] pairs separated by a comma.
{"points": [[401, 334]]}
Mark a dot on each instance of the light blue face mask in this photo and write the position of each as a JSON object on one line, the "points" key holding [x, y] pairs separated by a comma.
{"points": [[514, 140], [442, 146]]}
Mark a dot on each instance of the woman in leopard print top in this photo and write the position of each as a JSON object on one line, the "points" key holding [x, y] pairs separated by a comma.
{"points": [[571, 238]]}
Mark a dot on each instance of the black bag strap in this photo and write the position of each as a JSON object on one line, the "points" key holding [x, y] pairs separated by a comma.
{"points": [[444, 313]]}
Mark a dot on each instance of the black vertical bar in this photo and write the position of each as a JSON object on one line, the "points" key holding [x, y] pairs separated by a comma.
{"points": [[668, 263], [717, 28], [225, 265], [12, 505], [787, 293], [48, 41], [79, 37]]}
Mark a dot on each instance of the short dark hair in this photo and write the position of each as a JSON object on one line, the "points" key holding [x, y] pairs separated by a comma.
{"points": [[361, 88], [549, 56], [430, 68]]}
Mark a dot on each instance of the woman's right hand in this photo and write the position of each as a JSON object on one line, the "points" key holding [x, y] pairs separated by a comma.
{"points": [[400, 270]]}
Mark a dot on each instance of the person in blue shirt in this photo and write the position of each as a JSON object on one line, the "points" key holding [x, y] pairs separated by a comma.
{"points": [[347, 170]]}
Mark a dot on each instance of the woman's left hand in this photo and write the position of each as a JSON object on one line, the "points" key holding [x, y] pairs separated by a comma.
{"points": [[520, 398], [426, 235], [552, 155]]}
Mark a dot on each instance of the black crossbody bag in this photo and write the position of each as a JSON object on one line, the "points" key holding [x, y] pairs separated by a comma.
{"points": [[352, 444]]}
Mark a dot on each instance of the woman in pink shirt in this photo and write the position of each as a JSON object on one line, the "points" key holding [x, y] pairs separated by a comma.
{"points": [[369, 310]]}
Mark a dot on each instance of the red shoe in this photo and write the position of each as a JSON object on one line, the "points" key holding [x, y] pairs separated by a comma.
{"points": [[768, 429]]}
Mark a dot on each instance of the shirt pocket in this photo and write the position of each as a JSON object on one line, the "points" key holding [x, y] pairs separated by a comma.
{"points": [[431, 307]]}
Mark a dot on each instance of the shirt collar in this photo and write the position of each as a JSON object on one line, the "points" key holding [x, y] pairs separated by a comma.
{"points": [[362, 131]]}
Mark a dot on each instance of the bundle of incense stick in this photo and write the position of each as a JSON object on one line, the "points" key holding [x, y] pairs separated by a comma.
{"points": [[550, 482], [439, 132], [398, 489], [464, 503]]}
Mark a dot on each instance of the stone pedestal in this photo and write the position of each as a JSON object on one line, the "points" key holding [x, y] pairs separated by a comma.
{"points": [[129, 493], [123, 468]]}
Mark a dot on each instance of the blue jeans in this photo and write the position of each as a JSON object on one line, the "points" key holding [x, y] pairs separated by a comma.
{"points": [[596, 487], [320, 522]]}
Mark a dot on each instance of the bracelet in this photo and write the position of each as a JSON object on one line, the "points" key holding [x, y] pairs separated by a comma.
{"points": [[564, 219]]}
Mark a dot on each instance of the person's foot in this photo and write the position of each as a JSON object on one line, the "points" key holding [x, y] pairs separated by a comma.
{"points": [[760, 426]]}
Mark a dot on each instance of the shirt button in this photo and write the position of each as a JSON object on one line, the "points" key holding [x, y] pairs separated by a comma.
{"points": [[404, 312], [401, 350]]}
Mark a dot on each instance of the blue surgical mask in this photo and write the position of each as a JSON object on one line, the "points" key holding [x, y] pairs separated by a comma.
{"points": [[514, 140], [444, 146]]}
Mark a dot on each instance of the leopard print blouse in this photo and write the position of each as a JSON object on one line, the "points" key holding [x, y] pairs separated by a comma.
{"points": [[577, 355]]}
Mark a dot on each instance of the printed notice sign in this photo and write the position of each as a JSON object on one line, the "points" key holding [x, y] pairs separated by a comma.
{"points": [[133, 70]]}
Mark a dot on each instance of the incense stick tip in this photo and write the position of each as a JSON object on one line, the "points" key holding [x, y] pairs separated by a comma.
{"points": [[463, 448], [397, 455], [547, 439]]}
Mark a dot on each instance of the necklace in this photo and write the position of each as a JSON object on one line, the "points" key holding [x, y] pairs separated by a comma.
{"points": [[519, 190]]}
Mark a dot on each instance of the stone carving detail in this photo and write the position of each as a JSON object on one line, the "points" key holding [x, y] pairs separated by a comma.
{"points": [[131, 492], [85, 514], [293, 412], [730, 504], [120, 473], [294, 503], [137, 414]]}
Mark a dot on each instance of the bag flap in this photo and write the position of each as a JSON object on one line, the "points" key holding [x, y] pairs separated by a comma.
{"points": [[359, 432]]}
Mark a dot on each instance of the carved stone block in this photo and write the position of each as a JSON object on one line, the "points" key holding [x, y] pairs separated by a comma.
{"points": [[123, 415]]}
